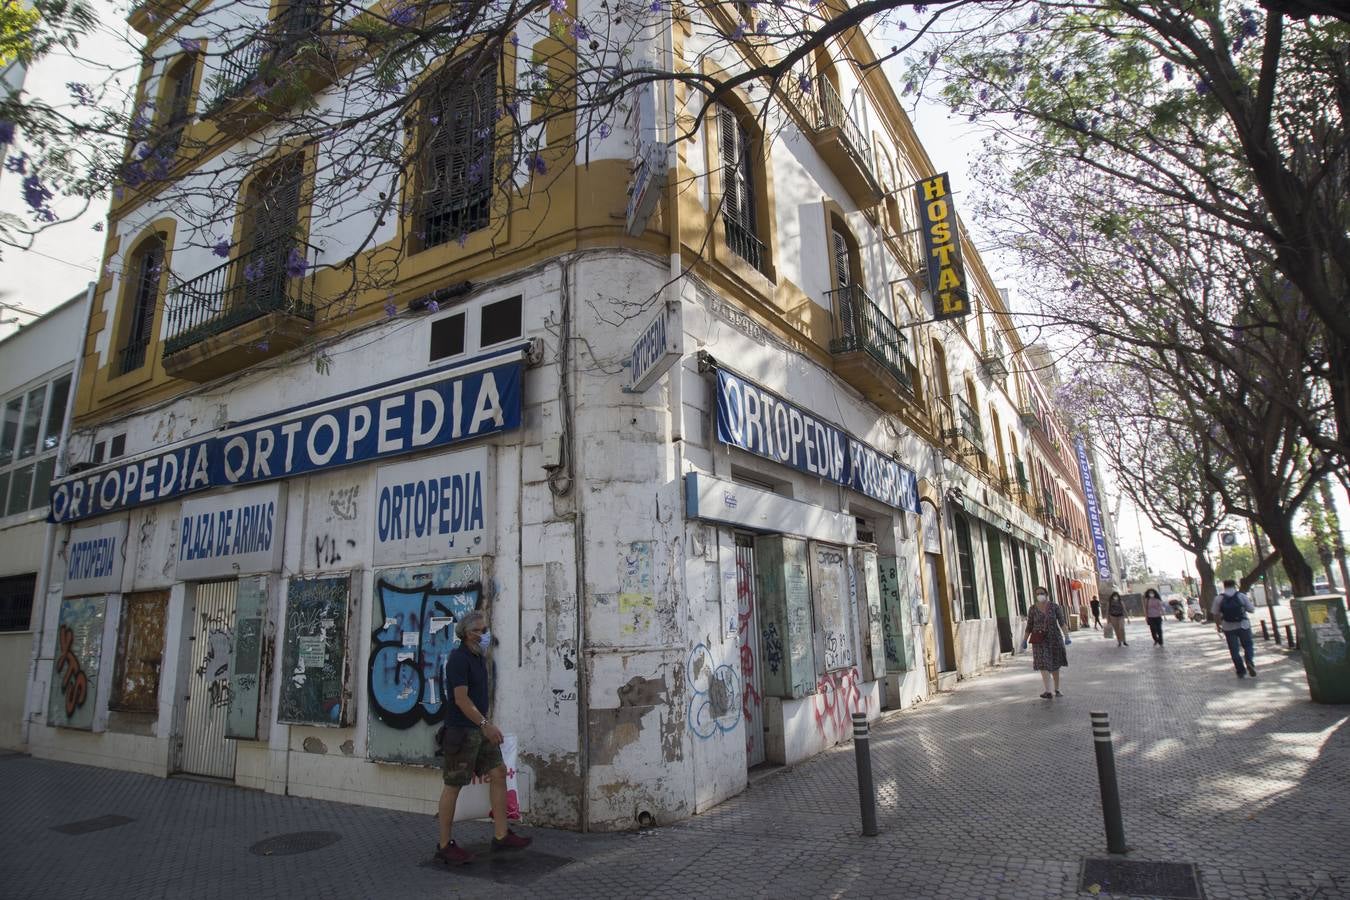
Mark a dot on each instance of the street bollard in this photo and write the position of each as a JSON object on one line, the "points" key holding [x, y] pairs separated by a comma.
{"points": [[1276, 629], [1289, 637], [1265, 635], [867, 792], [1106, 777]]}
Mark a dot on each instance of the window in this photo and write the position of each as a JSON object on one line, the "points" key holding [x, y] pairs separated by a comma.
{"points": [[271, 231], [740, 214], [296, 23], [140, 652], [455, 190], [16, 601], [447, 337], [147, 264], [965, 558], [500, 322], [941, 383], [29, 435], [176, 101]]}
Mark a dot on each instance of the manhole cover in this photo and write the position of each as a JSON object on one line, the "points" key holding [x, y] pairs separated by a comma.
{"points": [[1153, 879], [87, 825], [295, 842], [518, 869]]}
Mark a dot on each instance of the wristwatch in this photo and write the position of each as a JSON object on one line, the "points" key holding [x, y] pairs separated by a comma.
{"points": [[482, 723]]}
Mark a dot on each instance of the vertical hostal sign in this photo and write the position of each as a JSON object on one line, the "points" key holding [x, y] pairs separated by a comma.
{"points": [[942, 248]]}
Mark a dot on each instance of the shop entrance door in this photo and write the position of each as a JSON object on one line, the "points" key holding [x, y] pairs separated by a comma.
{"points": [[747, 631], [205, 751], [937, 614], [1005, 640]]}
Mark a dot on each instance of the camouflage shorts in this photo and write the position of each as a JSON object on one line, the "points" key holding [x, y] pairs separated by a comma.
{"points": [[465, 752]]}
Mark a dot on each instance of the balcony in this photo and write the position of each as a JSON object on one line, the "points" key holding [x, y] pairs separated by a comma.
{"points": [[1030, 416], [742, 242], [844, 146], [870, 351], [963, 425], [273, 68], [249, 309]]}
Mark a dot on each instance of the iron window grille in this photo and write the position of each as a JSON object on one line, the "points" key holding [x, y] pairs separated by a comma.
{"points": [[458, 143], [148, 264], [739, 210]]}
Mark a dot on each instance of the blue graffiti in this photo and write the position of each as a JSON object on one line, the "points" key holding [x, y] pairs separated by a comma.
{"points": [[715, 706], [409, 648]]}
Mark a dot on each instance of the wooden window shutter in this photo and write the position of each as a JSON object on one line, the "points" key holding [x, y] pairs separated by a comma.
{"points": [[843, 274], [730, 145]]}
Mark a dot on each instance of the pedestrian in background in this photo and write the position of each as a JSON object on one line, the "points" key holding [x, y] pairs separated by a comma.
{"points": [[1115, 618], [1153, 615], [1096, 612], [1230, 610], [1046, 633]]}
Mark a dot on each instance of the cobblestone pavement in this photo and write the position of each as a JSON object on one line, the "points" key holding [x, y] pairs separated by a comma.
{"points": [[988, 792]]}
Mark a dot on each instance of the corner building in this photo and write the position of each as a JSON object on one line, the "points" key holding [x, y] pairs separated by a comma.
{"points": [[717, 479]]}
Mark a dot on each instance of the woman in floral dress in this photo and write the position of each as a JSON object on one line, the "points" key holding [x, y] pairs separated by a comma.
{"points": [[1046, 626]]}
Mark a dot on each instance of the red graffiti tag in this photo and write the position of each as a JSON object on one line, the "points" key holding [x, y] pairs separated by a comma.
{"points": [[837, 697], [75, 684]]}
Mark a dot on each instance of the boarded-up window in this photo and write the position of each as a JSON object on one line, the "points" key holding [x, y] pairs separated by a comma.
{"points": [[140, 652]]}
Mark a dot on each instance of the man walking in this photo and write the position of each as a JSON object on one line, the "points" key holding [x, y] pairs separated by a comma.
{"points": [[1096, 612], [472, 744], [1230, 610]]}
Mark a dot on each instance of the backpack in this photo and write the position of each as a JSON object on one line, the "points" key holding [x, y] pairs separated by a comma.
{"points": [[1232, 609]]}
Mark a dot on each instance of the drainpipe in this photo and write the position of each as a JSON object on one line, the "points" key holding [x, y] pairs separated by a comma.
{"points": [[39, 613]]}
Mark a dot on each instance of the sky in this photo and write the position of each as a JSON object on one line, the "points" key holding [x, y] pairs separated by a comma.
{"points": [[65, 259]]}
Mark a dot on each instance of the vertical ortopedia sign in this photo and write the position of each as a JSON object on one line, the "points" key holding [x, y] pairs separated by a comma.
{"points": [[1094, 511], [942, 248]]}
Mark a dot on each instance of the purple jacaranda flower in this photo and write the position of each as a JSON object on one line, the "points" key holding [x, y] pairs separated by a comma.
{"points": [[390, 310], [558, 6], [254, 270], [17, 164], [515, 40], [433, 306], [403, 15], [35, 193], [656, 6], [1202, 87], [579, 31], [933, 58], [804, 83], [6, 132], [1057, 75], [190, 45], [604, 130], [80, 93], [1169, 71], [537, 165], [739, 32], [762, 27], [1035, 17], [921, 8], [295, 263], [222, 248]]}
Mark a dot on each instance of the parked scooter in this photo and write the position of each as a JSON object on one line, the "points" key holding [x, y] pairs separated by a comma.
{"points": [[1193, 609], [1178, 608]]}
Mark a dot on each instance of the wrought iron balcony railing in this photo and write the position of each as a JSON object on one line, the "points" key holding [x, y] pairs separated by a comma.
{"points": [[861, 325], [271, 46], [271, 278], [967, 423], [832, 113], [744, 244]]}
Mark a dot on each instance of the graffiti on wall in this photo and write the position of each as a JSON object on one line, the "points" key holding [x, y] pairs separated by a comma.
{"points": [[715, 695], [79, 649], [899, 593], [829, 576], [416, 609], [314, 656], [217, 630], [745, 631], [837, 697]]}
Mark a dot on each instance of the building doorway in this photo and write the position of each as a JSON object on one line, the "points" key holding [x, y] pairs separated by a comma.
{"points": [[747, 634], [210, 628], [937, 614], [991, 538]]}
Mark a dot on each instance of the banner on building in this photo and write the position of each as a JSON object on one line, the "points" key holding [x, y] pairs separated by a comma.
{"points": [[942, 248], [231, 533], [1094, 511], [94, 559], [436, 508], [410, 415], [760, 422]]}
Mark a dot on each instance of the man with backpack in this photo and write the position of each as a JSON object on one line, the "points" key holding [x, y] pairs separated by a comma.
{"points": [[1230, 610]]}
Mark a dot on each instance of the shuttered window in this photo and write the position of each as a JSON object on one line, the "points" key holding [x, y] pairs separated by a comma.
{"points": [[455, 193], [146, 267], [739, 205], [270, 231], [965, 557], [177, 99]]}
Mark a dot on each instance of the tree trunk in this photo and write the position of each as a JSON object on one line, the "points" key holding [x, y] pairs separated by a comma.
{"points": [[1334, 523], [1281, 534], [1208, 589]]}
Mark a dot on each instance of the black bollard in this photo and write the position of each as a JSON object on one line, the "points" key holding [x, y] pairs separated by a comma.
{"points": [[867, 792], [1106, 777], [1289, 637], [1265, 635], [1276, 629]]}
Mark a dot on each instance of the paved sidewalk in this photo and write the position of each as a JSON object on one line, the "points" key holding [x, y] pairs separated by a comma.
{"points": [[987, 792]]}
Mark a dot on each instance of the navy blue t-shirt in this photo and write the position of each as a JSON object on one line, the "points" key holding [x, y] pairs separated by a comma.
{"points": [[465, 668]]}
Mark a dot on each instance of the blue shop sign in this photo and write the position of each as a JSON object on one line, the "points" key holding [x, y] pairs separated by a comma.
{"points": [[393, 419], [760, 422]]}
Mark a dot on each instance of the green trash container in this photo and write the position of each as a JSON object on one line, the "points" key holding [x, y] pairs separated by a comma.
{"points": [[1325, 636]]}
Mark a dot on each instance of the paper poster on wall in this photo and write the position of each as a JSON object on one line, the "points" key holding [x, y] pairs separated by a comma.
{"points": [[314, 670], [415, 609], [79, 653], [829, 580]]}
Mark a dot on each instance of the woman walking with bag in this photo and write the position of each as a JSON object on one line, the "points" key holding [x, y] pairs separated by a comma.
{"points": [[1115, 617], [1045, 632], [1153, 614]]}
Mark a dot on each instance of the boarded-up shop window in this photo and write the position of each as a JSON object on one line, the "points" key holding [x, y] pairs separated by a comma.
{"points": [[829, 578], [314, 687], [140, 652]]}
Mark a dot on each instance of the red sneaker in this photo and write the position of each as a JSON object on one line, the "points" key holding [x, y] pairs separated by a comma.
{"points": [[453, 854], [512, 841]]}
